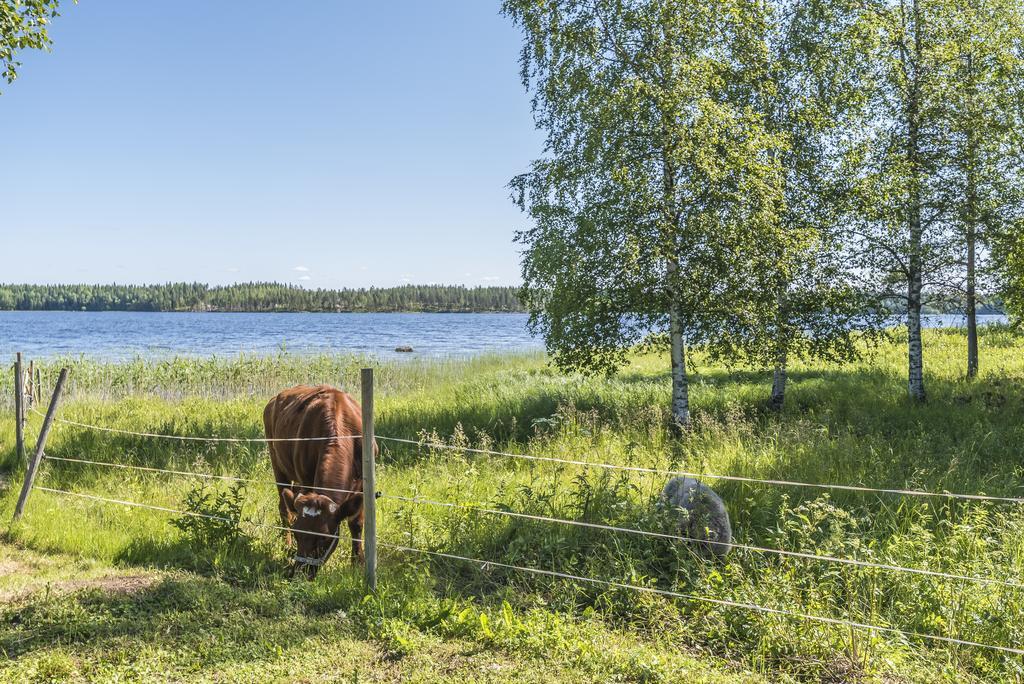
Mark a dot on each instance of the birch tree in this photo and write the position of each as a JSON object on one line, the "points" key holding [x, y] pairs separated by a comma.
{"points": [[900, 234], [983, 75], [23, 26], [654, 206], [817, 61]]}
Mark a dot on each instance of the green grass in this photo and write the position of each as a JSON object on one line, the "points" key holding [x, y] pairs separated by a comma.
{"points": [[437, 618], [118, 625]]}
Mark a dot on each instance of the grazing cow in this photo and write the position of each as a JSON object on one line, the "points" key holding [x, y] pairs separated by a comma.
{"points": [[306, 472]]}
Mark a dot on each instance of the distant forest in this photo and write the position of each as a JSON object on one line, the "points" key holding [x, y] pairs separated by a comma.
{"points": [[256, 297]]}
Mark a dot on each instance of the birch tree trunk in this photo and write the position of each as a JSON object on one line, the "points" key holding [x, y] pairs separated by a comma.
{"points": [[915, 265], [680, 380], [972, 304], [971, 220], [915, 353], [778, 397], [677, 339], [782, 341], [915, 350]]}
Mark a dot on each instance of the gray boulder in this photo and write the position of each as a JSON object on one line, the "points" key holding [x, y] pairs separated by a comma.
{"points": [[702, 515]]}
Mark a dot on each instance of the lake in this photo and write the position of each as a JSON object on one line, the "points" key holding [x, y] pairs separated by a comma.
{"points": [[120, 335]]}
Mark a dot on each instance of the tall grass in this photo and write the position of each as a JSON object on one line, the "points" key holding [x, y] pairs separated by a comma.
{"points": [[845, 425], [245, 375]]}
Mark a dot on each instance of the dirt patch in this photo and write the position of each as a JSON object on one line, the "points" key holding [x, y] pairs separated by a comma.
{"points": [[11, 567], [121, 585], [118, 584]]}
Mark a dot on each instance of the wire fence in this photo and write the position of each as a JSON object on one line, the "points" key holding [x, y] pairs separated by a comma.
{"points": [[579, 578], [715, 601], [707, 476], [483, 509], [206, 476], [181, 438], [863, 489]]}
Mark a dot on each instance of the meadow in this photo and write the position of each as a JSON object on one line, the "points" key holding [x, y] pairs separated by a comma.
{"points": [[99, 592]]}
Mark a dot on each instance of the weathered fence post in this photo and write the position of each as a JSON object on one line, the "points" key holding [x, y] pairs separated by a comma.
{"points": [[19, 408], [369, 483], [33, 466], [31, 384]]}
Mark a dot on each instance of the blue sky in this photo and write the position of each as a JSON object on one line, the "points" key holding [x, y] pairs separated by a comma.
{"points": [[337, 143]]}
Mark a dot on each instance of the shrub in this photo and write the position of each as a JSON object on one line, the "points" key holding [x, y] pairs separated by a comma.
{"points": [[214, 517]]}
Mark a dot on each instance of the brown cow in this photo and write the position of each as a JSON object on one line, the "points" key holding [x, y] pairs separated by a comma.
{"points": [[301, 467]]}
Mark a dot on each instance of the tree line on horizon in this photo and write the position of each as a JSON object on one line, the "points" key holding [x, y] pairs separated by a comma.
{"points": [[258, 297], [764, 178], [270, 297]]}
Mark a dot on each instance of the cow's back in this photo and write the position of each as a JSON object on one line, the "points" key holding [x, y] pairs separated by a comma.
{"points": [[330, 422]]}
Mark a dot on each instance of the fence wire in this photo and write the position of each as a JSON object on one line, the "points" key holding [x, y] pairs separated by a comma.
{"points": [[590, 580], [707, 599], [190, 473], [707, 476], [744, 547], [611, 528], [182, 438], [577, 523], [568, 461]]}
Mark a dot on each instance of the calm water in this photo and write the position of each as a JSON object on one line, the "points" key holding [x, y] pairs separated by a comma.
{"points": [[118, 335]]}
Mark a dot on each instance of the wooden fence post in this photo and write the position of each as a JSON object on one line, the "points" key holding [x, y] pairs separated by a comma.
{"points": [[33, 466], [369, 483], [19, 408], [31, 384]]}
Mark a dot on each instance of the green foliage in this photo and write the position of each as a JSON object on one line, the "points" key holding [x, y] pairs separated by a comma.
{"points": [[1009, 246], [658, 197], [256, 297], [764, 179], [23, 26], [815, 66], [216, 516], [984, 170]]}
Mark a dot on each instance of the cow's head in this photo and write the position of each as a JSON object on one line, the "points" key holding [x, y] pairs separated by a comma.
{"points": [[317, 518]]}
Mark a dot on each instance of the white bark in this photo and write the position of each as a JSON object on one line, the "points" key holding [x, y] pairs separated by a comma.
{"points": [[915, 383], [972, 242], [680, 380], [915, 353], [778, 398]]}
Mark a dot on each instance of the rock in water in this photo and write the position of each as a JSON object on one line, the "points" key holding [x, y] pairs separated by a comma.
{"points": [[404, 349], [702, 514]]}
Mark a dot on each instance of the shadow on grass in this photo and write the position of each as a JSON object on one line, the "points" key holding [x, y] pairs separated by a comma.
{"points": [[501, 422], [242, 563], [178, 613], [851, 426], [863, 401]]}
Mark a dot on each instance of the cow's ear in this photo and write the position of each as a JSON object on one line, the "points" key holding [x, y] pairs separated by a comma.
{"points": [[289, 498], [332, 508]]}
